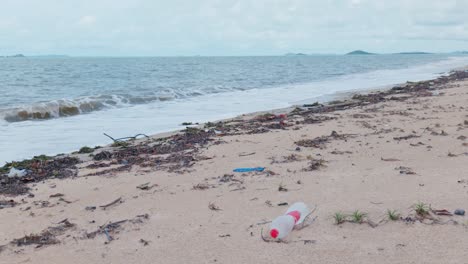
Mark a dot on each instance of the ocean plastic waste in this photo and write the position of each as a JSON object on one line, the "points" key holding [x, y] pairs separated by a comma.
{"points": [[459, 212], [283, 225], [249, 169], [17, 173]]}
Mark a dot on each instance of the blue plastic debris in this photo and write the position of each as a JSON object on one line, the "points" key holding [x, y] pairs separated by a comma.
{"points": [[249, 169]]}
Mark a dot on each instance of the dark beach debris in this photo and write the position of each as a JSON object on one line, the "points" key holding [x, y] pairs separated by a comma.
{"points": [[282, 188], [461, 137], [111, 229], [90, 208], [406, 137], [103, 155], [441, 133], [110, 171], [39, 168], [405, 170], [56, 195], [61, 199], [339, 152], [121, 142], [417, 144], [320, 142], [283, 204], [315, 164], [202, 186], [389, 159], [98, 165], [213, 207], [116, 201], [246, 154], [287, 159], [361, 116], [441, 212], [315, 119], [226, 235], [7, 204], [146, 186], [450, 154], [46, 237], [144, 242]]}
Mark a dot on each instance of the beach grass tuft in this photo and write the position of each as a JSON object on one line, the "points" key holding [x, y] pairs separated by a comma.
{"points": [[358, 217]]}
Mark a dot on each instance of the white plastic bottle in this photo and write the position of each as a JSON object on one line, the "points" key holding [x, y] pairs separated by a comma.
{"points": [[283, 225]]}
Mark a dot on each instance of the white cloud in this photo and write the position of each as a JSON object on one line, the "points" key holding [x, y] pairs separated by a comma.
{"points": [[87, 21], [232, 27]]}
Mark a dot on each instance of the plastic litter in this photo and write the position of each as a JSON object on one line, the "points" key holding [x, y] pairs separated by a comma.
{"points": [[17, 173], [459, 212], [260, 169], [282, 226]]}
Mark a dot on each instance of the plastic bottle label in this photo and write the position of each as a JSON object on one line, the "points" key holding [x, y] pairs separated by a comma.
{"points": [[296, 215]]}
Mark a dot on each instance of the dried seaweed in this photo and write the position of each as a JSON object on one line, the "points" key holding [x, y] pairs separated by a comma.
{"points": [[38, 169]]}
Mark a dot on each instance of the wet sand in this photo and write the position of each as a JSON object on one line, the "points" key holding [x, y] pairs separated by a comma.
{"points": [[176, 200]]}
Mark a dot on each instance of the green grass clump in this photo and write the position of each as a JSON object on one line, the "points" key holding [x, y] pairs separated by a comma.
{"points": [[358, 217], [421, 209], [393, 215], [339, 218]]}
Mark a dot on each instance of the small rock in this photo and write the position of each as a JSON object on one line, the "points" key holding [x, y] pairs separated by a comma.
{"points": [[298, 149], [459, 212], [90, 208]]}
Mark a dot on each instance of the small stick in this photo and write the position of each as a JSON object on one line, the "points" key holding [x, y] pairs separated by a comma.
{"points": [[246, 154], [110, 204], [120, 139]]}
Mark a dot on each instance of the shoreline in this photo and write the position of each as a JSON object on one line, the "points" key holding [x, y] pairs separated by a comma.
{"points": [[176, 198], [73, 134]]}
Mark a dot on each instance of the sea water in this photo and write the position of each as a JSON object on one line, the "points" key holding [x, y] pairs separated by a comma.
{"points": [[57, 105]]}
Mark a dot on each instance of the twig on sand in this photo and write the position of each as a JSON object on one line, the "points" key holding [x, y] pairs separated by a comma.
{"points": [[111, 203], [124, 138], [246, 154]]}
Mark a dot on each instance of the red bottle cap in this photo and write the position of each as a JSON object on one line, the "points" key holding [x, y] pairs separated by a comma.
{"points": [[274, 233]]}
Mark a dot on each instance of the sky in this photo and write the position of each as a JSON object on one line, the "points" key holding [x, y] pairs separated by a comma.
{"points": [[230, 27]]}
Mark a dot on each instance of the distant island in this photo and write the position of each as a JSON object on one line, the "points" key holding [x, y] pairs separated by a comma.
{"points": [[295, 54], [14, 56], [360, 52]]}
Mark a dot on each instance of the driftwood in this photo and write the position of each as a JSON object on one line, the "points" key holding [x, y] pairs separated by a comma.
{"points": [[111, 203]]}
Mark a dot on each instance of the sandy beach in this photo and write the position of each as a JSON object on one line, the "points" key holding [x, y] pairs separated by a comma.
{"points": [[176, 199]]}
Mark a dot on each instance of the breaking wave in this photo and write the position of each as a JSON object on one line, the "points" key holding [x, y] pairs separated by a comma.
{"points": [[66, 108]]}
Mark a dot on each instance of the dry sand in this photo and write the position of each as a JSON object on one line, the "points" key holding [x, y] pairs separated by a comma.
{"points": [[172, 222]]}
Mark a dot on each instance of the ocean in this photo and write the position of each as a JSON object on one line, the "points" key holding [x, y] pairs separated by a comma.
{"points": [[57, 105]]}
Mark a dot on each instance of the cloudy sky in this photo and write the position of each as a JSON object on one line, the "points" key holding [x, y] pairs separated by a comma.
{"points": [[230, 27]]}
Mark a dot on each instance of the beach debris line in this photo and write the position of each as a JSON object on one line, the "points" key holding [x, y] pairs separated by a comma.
{"points": [[38, 169], [45, 237], [320, 142]]}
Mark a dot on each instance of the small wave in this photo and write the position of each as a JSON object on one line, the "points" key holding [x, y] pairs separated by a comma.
{"points": [[66, 108]]}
